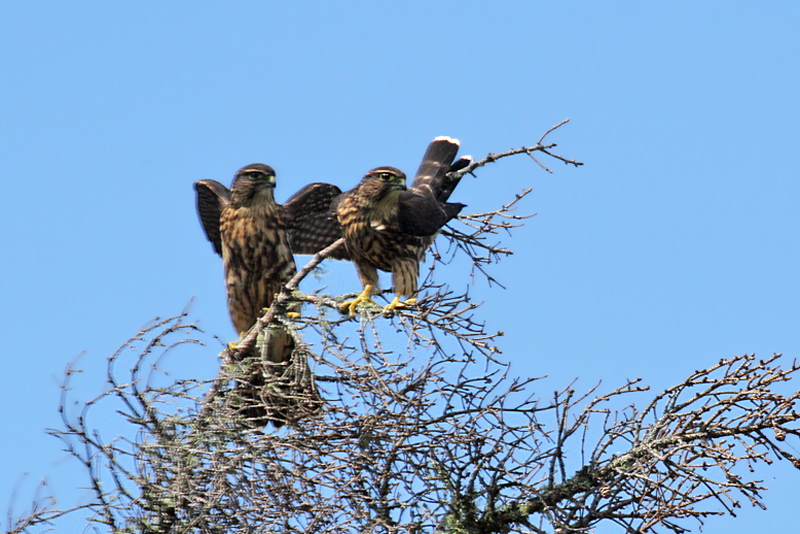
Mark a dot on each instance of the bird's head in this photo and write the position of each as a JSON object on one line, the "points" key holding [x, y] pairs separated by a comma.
{"points": [[383, 180], [252, 180]]}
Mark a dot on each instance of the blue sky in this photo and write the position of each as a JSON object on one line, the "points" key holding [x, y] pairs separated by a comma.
{"points": [[678, 242]]}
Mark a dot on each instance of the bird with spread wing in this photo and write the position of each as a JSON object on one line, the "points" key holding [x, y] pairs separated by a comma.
{"points": [[256, 237], [389, 227]]}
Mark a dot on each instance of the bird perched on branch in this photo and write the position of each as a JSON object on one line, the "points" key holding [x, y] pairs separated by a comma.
{"points": [[256, 237], [389, 227]]}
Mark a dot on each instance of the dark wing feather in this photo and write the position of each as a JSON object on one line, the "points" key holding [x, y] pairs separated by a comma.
{"points": [[310, 222], [448, 185], [212, 198], [338, 200], [422, 215], [419, 214]]}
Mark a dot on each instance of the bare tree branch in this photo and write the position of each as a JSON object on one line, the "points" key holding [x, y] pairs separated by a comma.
{"points": [[411, 422]]}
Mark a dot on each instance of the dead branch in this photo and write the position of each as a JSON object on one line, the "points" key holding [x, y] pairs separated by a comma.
{"points": [[412, 424]]}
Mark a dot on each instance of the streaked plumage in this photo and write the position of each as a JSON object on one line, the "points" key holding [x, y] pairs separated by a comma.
{"points": [[307, 216], [389, 227], [256, 236]]}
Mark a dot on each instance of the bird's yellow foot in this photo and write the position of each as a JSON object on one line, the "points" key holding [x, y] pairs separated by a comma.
{"points": [[274, 298], [350, 305], [292, 315], [397, 304]]}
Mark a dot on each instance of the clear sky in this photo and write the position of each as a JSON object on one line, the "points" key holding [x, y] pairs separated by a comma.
{"points": [[677, 244]]}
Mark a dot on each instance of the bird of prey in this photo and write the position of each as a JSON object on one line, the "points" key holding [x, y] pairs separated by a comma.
{"points": [[256, 237], [389, 227]]}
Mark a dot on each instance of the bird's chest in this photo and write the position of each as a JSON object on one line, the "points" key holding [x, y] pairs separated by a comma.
{"points": [[254, 239], [373, 234]]}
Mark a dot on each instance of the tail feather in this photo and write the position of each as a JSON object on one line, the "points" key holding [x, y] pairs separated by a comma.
{"points": [[449, 184], [423, 209], [435, 164]]}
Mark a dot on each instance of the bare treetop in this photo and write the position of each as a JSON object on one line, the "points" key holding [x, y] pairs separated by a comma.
{"points": [[413, 421]]}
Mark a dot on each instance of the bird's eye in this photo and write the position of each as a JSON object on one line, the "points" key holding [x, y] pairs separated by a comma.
{"points": [[386, 176]]}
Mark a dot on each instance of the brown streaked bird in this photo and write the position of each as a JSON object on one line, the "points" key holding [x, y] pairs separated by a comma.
{"points": [[389, 227], [256, 237]]}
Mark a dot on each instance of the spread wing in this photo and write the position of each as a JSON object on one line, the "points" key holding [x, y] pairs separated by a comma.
{"points": [[423, 210], [212, 198], [309, 220]]}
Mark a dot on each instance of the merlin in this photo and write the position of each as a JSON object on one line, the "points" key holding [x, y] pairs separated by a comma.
{"points": [[389, 227], [256, 237]]}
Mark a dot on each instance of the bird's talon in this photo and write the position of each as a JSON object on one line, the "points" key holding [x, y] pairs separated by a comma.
{"points": [[292, 315], [395, 304], [350, 305]]}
